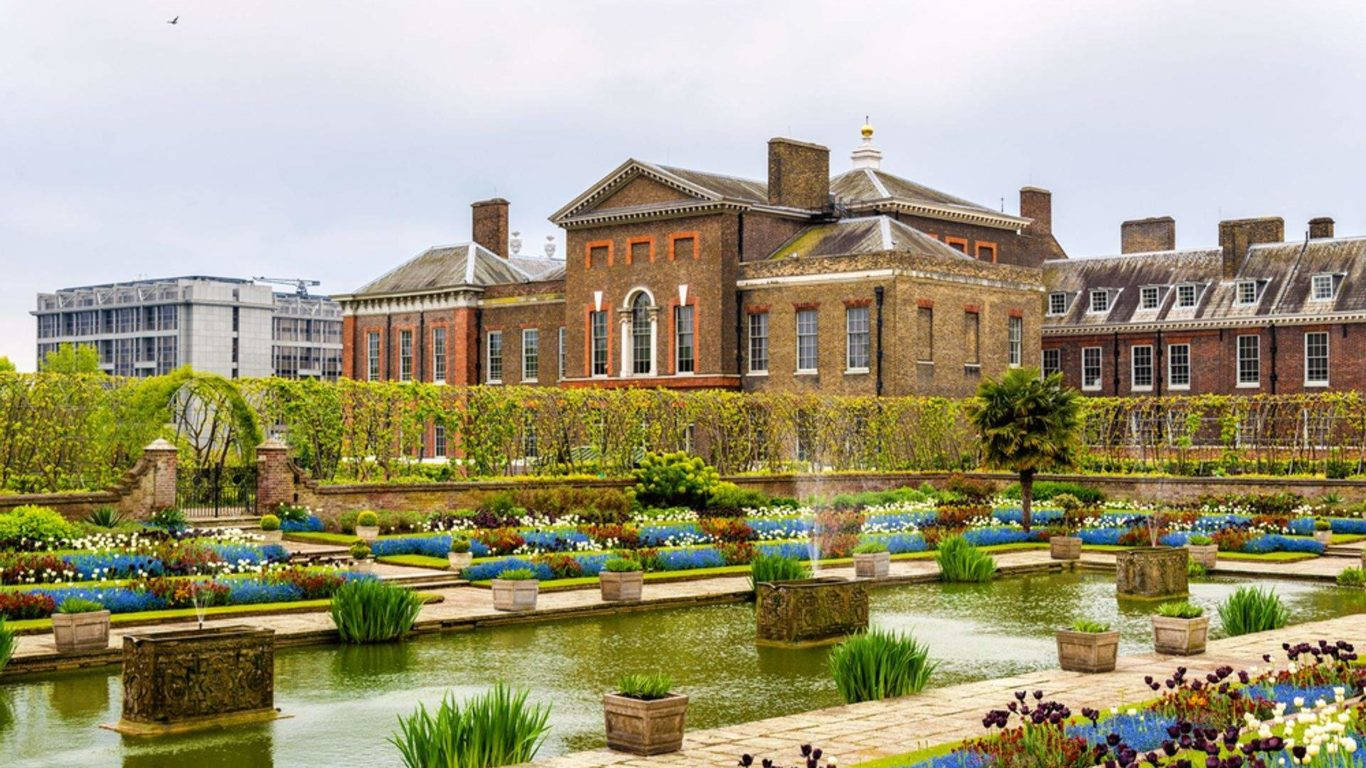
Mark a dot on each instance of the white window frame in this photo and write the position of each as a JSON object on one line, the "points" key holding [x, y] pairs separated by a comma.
{"points": [[1308, 382], [1239, 359], [1061, 297], [562, 351], [1100, 369], [1238, 289], [1195, 295], [1014, 341], [815, 335], [1172, 384], [1091, 301], [593, 345], [1044, 367], [692, 339], [372, 356], [849, 314], [1318, 280], [1143, 293], [753, 369], [488, 357], [1134, 386], [405, 355], [536, 347], [439, 355]]}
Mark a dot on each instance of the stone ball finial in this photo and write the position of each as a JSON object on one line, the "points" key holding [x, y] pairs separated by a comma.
{"points": [[550, 246], [515, 243]]}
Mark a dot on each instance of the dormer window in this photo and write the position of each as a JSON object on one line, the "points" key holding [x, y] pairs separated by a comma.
{"points": [[1187, 295], [1057, 303], [1100, 300], [1149, 296], [1247, 292], [1322, 288]]}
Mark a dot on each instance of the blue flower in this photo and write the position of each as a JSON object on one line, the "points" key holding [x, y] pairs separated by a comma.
{"points": [[430, 546]]}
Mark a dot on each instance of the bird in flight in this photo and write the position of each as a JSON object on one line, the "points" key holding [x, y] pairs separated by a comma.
{"points": [[176, 20]]}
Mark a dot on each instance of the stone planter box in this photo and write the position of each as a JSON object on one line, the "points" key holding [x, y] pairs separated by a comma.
{"points": [[810, 611], [460, 560], [272, 537], [645, 727], [363, 566], [367, 532], [1151, 572], [189, 679], [515, 594], [1064, 547], [1087, 651], [76, 632], [1324, 537], [1204, 554], [1180, 637], [872, 565], [621, 586]]}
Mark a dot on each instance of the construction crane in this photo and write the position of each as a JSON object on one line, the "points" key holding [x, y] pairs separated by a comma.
{"points": [[300, 285]]}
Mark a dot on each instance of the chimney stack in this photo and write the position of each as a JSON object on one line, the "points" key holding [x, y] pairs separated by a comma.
{"points": [[1321, 228], [798, 174], [1237, 235], [491, 225], [1037, 204], [1145, 235]]}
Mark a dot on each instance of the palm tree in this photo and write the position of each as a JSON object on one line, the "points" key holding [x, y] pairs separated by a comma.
{"points": [[1027, 424]]}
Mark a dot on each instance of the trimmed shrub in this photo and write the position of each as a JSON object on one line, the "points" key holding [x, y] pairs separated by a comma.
{"points": [[1251, 609], [491, 729], [30, 525], [960, 561], [674, 480], [879, 665], [370, 611], [1049, 490], [270, 523]]}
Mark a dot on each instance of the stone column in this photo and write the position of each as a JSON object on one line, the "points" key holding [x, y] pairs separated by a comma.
{"points": [[274, 476], [162, 456]]}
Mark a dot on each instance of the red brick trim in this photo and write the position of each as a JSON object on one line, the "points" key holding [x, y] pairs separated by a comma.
{"points": [[588, 252], [634, 241], [1016, 313], [691, 235], [956, 241], [800, 305], [925, 303], [756, 309], [588, 341], [854, 303], [972, 309], [986, 248]]}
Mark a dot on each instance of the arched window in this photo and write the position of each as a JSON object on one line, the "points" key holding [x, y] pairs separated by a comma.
{"points": [[642, 335]]}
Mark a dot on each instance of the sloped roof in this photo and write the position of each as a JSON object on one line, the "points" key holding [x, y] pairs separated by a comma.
{"points": [[723, 186], [451, 266], [870, 186], [700, 186], [864, 234], [1283, 273]]}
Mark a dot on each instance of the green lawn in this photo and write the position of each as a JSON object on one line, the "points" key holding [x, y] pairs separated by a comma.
{"points": [[416, 561], [1268, 557]]}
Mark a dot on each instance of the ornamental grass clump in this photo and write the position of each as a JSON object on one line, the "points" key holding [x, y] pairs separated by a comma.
{"points": [[79, 605], [880, 665], [871, 547], [517, 574], [370, 611], [1182, 610], [960, 561], [1090, 627], [494, 728], [7, 643], [621, 565], [1252, 609], [772, 568], [1352, 577], [646, 687]]}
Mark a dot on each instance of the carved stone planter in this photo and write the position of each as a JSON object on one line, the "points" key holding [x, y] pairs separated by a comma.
{"points": [[515, 594], [1151, 572], [1087, 651], [1323, 537], [1064, 547], [645, 727], [272, 537], [367, 532], [363, 566], [189, 679], [872, 565], [1206, 555], [76, 632], [809, 612], [1180, 637], [621, 586], [460, 560]]}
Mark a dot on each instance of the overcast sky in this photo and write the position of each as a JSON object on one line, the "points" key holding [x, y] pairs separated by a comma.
{"points": [[332, 140]]}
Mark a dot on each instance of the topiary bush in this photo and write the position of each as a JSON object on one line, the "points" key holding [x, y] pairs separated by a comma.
{"points": [[270, 523], [674, 480], [370, 611]]}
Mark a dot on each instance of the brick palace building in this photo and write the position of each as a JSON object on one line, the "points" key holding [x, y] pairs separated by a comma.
{"points": [[858, 283]]}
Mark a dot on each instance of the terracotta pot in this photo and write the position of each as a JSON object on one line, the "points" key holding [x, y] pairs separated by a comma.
{"points": [[515, 594], [645, 727], [75, 632], [1087, 651], [1064, 547], [367, 532], [621, 586], [1180, 637], [1323, 537], [873, 565], [272, 537], [1206, 555], [363, 566], [460, 560]]}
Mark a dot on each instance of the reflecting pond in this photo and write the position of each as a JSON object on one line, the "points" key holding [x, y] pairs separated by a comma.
{"points": [[343, 702]]}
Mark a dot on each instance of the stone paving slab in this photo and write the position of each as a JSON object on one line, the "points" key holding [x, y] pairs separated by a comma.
{"points": [[870, 730]]}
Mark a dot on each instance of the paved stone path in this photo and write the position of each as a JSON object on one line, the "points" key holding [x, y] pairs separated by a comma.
{"points": [[867, 731]]}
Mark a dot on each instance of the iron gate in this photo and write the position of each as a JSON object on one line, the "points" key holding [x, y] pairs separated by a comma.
{"points": [[216, 492]]}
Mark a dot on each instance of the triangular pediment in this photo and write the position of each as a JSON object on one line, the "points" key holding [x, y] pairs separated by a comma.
{"points": [[635, 183]]}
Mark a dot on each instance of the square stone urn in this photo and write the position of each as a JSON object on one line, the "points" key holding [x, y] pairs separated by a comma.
{"points": [[460, 560], [1151, 572], [872, 565], [643, 727], [1180, 637], [1064, 547], [618, 586], [76, 632], [809, 611], [1087, 651], [515, 594], [1206, 555]]}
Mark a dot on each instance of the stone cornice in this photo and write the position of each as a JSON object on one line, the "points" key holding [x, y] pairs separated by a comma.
{"points": [[948, 213], [1212, 323]]}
